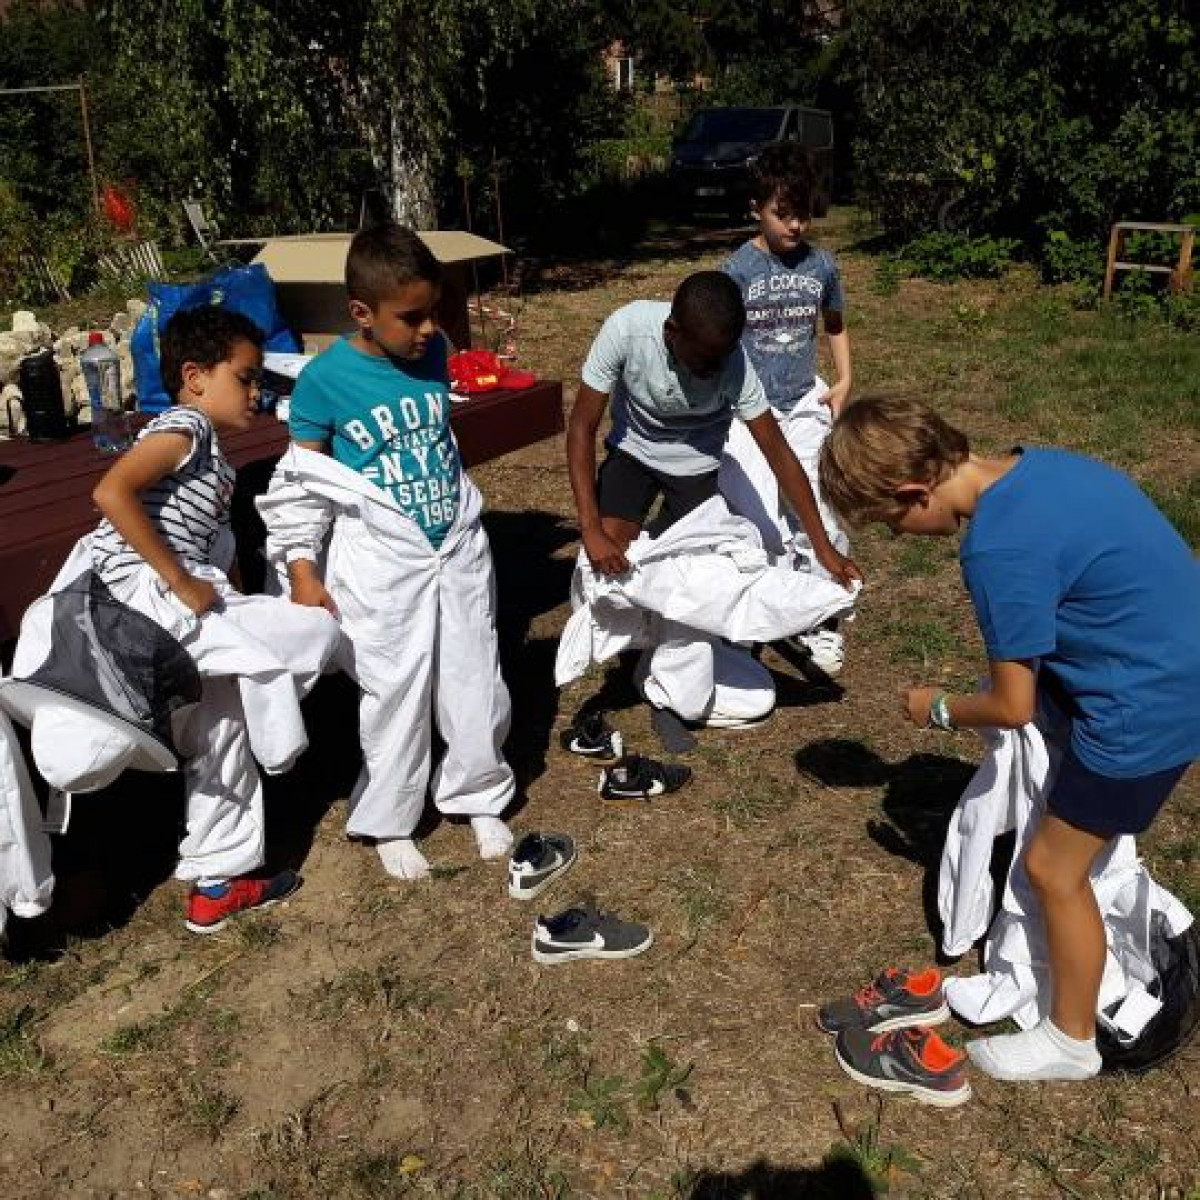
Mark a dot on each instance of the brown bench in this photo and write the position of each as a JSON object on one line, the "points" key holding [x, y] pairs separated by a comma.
{"points": [[46, 490]]}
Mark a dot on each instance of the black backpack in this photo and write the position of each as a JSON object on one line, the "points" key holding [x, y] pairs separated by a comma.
{"points": [[1177, 960]]}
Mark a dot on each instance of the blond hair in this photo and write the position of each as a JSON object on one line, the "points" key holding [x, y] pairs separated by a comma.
{"points": [[877, 445]]}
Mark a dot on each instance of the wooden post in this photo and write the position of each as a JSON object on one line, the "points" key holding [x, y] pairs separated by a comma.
{"points": [[1181, 280], [499, 218], [1110, 267], [87, 138]]}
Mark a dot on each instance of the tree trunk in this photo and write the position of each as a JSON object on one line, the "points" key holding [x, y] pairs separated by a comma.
{"points": [[411, 181]]}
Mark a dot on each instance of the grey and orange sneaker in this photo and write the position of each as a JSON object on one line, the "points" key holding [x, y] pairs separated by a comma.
{"points": [[897, 999], [915, 1062]]}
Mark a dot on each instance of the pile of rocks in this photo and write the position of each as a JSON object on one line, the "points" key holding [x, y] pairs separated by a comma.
{"points": [[28, 335]]}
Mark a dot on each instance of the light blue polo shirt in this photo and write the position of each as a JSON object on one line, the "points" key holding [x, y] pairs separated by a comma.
{"points": [[663, 415]]}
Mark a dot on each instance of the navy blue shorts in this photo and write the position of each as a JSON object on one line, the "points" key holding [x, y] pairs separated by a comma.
{"points": [[1105, 806]]}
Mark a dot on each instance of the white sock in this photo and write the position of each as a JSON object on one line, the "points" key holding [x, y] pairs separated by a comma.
{"points": [[493, 837], [401, 858], [1043, 1052]]}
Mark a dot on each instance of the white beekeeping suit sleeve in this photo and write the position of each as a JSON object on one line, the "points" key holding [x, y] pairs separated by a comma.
{"points": [[26, 880], [752, 491], [297, 517]]}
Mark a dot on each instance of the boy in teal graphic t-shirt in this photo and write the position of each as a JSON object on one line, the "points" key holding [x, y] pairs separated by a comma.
{"points": [[387, 419], [419, 618]]}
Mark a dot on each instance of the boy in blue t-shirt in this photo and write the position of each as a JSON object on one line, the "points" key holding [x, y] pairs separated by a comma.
{"points": [[1082, 587], [418, 609], [787, 283]]}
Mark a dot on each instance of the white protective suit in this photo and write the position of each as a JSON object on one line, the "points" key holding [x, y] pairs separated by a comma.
{"points": [[26, 878], [422, 633], [257, 657], [1008, 792], [703, 583], [752, 491]]}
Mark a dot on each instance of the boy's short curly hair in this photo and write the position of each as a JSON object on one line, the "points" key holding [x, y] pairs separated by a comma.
{"points": [[877, 445], [784, 172], [205, 336], [385, 257], [710, 301]]}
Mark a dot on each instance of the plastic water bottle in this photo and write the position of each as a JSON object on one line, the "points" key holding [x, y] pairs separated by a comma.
{"points": [[102, 375]]}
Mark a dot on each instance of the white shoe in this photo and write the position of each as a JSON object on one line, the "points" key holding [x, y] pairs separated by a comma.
{"points": [[721, 720], [825, 648]]}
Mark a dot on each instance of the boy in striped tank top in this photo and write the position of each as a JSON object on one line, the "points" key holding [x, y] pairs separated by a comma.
{"points": [[163, 548]]}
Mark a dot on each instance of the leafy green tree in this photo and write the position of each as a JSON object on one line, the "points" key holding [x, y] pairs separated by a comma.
{"points": [[42, 149], [1025, 116], [292, 108]]}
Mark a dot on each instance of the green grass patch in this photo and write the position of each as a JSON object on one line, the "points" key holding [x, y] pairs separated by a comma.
{"points": [[699, 895], [1181, 504], [20, 1053], [924, 640], [918, 558]]}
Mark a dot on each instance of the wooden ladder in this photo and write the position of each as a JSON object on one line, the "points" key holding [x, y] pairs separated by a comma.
{"points": [[1181, 273]]}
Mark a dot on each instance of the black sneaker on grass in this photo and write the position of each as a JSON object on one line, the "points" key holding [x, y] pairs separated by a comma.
{"points": [[592, 737], [915, 1062], [588, 933], [897, 999], [537, 861], [638, 778]]}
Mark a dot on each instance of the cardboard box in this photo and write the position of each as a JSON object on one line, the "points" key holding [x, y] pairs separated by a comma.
{"points": [[309, 270]]}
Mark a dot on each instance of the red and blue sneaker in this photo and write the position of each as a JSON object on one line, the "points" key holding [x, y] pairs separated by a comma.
{"points": [[210, 907]]}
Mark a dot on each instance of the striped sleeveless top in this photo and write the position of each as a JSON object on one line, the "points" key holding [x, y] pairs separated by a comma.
{"points": [[189, 507]]}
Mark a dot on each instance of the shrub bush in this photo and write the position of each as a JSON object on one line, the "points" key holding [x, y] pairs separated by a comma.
{"points": [[947, 256], [1065, 259]]}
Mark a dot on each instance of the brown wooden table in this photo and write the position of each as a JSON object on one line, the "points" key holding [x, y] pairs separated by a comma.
{"points": [[46, 489]]}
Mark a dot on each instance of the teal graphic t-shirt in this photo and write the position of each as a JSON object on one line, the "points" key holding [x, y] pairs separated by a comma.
{"points": [[389, 421]]}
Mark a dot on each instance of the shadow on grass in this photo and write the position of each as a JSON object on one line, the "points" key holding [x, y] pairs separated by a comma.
{"points": [[572, 268], [837, 1180], [123, 842], [531, 579], [920, 793]]}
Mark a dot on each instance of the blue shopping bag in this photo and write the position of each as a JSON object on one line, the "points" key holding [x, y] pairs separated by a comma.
{"points": [[245, 289]]}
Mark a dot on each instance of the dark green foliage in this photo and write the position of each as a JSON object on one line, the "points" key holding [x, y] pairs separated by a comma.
{"points": [[1025, 116], [1072, 260], [946, 256]]}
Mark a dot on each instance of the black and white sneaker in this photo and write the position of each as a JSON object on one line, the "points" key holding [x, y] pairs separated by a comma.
{"points": [[592, 737], [638, 778], [537, 861], [588, 933]]}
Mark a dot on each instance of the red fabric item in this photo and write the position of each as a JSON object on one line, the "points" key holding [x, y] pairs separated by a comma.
{"points": [[517, 379], [475, 371], [119, 209]]}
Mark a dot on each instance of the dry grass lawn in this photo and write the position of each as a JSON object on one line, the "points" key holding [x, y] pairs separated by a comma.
{"points": [[371, 1039]]}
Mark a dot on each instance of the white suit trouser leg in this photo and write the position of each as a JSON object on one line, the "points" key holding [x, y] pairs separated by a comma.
{"points": [[752, 491], [225, 827], [438, 659], [699, 677]]}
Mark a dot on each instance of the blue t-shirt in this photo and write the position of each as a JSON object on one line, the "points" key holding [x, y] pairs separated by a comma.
{"points": [[1068, 562], [390, 422], [783, 298]]}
